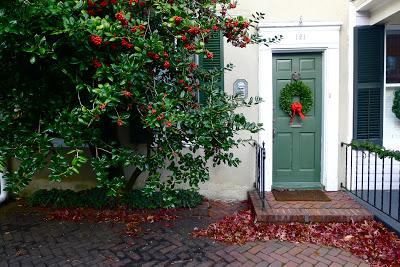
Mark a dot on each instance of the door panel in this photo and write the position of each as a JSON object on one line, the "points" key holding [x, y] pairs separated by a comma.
{"points": [[297, 147]]}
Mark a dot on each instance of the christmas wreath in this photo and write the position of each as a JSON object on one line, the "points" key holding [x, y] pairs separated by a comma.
{"points": [[301, 107], [396, 104]]}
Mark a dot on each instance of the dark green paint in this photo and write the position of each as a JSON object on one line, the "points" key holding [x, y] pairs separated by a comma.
{"points": [[297, 150]]}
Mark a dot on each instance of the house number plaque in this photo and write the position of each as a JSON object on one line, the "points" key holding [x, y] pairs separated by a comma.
{"points": [[300, 36], [240, 88]]}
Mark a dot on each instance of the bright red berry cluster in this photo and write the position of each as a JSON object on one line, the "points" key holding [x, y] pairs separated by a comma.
{"points": [[96, 40]]}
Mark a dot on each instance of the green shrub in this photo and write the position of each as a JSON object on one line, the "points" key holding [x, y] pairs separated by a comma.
{"points": [[54, 198], [98, 198]]}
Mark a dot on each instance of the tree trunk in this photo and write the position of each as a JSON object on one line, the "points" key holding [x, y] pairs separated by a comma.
{"points": [[136, 173]]}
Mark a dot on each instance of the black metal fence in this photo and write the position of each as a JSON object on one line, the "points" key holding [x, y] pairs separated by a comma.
{"points": [[260, 171], [373, 179]]}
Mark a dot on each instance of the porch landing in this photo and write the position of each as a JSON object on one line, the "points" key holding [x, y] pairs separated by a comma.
{"points": [[342, 208]]}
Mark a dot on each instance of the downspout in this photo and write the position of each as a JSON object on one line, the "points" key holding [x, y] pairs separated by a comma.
{"points": [[3, 192]]}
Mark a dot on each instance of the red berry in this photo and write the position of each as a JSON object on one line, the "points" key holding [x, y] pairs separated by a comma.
{"points": [[120, 16], [194, 30], [178, 20], [126, 43], [210, 55], [103, 3], [232, 5], [215, 28], [193, 65], [96, 63], [160, 117], [103, 106], [126, 93], [96, 40], [167, 64], [184, 38], [120, 122]]}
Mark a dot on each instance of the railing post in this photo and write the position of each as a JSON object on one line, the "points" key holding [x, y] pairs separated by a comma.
{"points": [[345, 171], [263, 175], [390, 186], [260, 172]]}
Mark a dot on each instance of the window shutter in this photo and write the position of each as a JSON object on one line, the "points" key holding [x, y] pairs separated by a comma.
{"points": [[368, 82]]}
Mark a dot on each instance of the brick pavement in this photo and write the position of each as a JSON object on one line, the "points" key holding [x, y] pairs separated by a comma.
{"points": [[28, 240]]}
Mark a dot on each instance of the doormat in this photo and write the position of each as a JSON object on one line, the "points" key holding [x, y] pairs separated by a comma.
{"points": [[300, 195]]}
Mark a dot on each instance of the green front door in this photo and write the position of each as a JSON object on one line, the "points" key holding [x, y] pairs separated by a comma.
{"points": [[297, 146]]}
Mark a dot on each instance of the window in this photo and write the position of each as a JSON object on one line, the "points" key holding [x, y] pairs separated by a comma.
{"points": [[393, 56]]}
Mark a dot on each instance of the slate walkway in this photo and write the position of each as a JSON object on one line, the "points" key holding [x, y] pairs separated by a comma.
{"points": [[28, 240]]}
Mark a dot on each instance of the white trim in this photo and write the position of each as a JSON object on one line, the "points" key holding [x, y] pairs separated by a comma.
{"points": [[372, 5], [383, 109], [3, 192], [297, 24], [353, 21], [390, 85], [310, 36]]}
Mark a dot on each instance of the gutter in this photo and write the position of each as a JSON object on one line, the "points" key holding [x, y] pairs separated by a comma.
{"points": [[3, 192]]}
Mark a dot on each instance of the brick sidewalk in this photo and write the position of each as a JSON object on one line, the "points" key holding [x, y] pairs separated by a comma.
{"points": [[28, 240]]}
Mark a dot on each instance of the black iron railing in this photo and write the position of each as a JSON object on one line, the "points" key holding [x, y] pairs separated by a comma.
{"points": [[374, 179], [260, 171]]}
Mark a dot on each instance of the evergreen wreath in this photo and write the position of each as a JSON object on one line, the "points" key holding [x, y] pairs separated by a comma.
{"points": [[396, 104], [296, 88]]}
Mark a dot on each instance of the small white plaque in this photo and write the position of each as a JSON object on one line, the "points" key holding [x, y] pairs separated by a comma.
{"points": [[241, 88]]}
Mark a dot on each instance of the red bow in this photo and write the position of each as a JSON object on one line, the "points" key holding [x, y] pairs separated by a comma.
{"points": [[296, 108]]}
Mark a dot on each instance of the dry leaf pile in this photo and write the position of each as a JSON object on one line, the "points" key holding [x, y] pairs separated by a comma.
{"points": [[369, 240]]}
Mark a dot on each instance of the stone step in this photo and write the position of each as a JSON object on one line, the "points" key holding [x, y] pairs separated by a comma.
{"points": [[342, 208]]}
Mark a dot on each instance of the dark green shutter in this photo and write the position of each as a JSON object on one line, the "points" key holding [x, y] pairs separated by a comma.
{"points": [[368, 82], [215, 45]]}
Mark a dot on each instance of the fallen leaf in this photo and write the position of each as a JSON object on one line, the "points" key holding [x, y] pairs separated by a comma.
{"points": [[348, 237]]}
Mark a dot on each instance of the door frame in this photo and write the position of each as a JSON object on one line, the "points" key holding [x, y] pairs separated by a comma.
{"points": [[308, 37]]}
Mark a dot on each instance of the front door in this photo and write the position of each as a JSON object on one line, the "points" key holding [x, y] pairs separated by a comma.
{"points": [[297, 146]]}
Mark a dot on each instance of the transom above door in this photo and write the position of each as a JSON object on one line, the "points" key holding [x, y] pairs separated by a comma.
{"points": [[297, 145]]}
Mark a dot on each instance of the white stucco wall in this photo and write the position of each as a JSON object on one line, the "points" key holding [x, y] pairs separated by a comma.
{"points": [[232, 183]]}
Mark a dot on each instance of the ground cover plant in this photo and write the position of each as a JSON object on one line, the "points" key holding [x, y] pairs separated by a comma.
{"points": [[98, 198], [76, 74], [370, 240]]}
